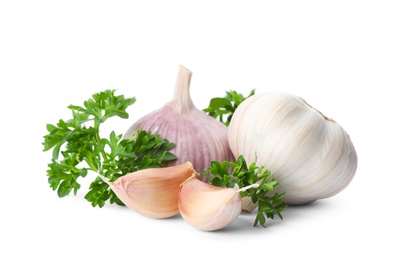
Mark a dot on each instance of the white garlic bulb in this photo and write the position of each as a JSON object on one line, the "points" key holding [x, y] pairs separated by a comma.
{"points": [[310, 155], [198, 137]]}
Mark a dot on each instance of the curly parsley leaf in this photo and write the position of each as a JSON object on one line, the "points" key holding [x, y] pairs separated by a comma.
{"points": [[269, 202], [223, 108], [78, 148]]}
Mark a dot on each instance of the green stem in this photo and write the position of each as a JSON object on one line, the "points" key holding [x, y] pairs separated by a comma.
{"points": [[254, 185], [97, 139]]}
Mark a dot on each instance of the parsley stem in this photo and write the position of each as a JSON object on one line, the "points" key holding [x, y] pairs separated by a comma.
{"points": [[104, 178], [97, 138], [254, 185]]}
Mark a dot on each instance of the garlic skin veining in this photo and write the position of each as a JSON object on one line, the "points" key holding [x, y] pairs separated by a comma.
{"points": [[208, 207], [152, 192], [198, 137], [309, 154]]}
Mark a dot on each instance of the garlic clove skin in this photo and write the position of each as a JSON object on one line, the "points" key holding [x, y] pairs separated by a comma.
{"points": [[309, 154], [208, 207], [152, 192], [198, 137]]}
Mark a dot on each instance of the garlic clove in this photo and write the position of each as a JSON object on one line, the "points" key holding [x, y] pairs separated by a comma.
{"points": [[208, 207], [152, 192], [198, 137]]}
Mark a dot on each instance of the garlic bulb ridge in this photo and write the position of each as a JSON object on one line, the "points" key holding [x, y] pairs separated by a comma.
{"points": [[198, 137]]}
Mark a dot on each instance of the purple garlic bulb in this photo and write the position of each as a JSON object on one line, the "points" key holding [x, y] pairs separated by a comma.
{"points": [[198, 137]]}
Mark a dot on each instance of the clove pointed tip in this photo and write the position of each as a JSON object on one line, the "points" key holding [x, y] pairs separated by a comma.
{"points": [[183, 68]]}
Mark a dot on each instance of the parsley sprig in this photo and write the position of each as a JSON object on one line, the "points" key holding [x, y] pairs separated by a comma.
{"points": [[269, 202], [223, 108], [77, 148]]}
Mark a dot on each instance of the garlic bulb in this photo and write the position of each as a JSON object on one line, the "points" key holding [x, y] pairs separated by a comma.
{"points": [[198, 137], [309, 154], [152, 192], [208, 207]]}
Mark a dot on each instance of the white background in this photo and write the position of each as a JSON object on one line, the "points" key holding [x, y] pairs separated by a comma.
{"points": [[346, 58]]}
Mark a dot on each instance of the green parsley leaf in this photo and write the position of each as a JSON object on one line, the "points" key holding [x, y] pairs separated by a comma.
{"points": [[78, 148], [223, 108], [230, 174]]}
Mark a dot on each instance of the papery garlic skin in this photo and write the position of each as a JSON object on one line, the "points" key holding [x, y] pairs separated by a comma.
{"points": [[310, 155], [198, 137], [208, 207], [152, 192]]}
